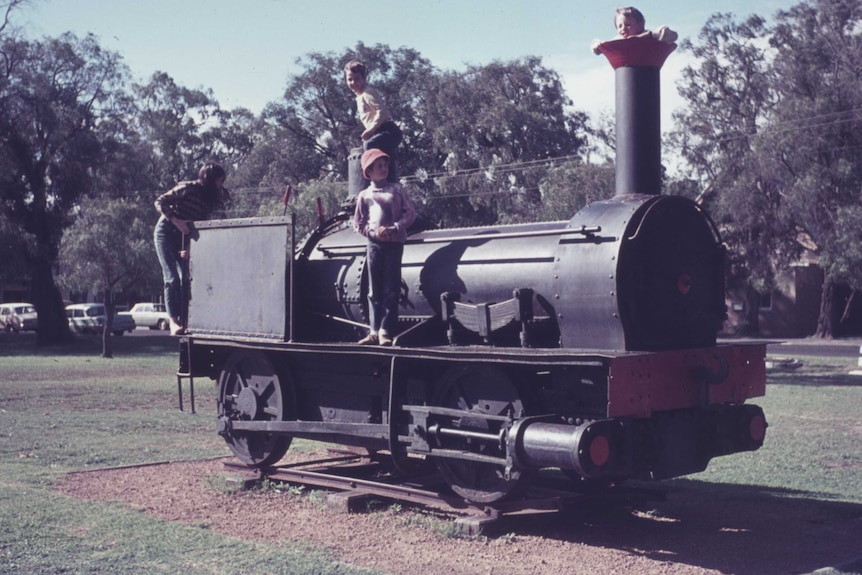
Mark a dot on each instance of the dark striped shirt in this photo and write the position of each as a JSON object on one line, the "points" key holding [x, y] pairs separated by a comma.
{"points": [[188, 201]]}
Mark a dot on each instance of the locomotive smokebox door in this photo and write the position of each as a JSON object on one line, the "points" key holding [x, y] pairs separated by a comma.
{"points": [[653, 279], [244, 271]]}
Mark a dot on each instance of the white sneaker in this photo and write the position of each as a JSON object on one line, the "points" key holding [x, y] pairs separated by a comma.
{"points": [[177, 329], [370, 339]]}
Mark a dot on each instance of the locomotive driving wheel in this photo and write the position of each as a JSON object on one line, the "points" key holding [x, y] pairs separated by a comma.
{"points": [[479, 391], [250, 390]]}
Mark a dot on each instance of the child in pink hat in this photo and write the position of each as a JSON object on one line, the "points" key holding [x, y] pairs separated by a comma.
{"points": [[383, 214]]}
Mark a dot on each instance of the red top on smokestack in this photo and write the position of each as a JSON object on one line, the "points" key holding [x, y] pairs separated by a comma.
{"points": [[637, 63], [636, 52]]}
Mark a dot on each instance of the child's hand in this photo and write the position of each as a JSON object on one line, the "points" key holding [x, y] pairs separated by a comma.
{"points": [[383, 234]]}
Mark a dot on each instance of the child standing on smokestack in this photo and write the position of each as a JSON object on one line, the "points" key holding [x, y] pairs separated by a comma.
{"points": [[630, 23]]}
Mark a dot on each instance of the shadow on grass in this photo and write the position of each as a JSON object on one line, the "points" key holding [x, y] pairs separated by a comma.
{"points": [[727, 528], [140, 343]]}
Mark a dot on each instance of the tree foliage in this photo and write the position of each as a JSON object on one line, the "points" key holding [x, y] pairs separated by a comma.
{"points": [[489, 123], [730, 95], [817, 149], [475, 144], [771, 133], [53, 95], [172, 119], [571, 186], [108, 250]]}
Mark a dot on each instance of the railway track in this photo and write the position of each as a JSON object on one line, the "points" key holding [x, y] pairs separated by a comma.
{"points": [[353, 479]]}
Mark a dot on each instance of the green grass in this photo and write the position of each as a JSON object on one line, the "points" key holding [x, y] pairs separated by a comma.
{"points": [[811, 447], [44, 533], [68, 409]]}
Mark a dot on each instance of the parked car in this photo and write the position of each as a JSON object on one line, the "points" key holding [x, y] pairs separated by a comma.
{"points": [[90, 317], [151, 315], [18, 317]]}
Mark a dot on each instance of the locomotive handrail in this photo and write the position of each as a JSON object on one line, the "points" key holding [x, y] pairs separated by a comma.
{"points": [[450, 412], [715, 233], [583, 230], [291, 300], [340, 319]]}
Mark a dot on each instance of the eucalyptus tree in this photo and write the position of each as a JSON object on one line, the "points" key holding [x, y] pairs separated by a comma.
{"points": [[772, 134], [814, 144], [493, 128], [317, 116], [730, 94], [108, 250], [174, 121], [56, 96], [569, 186]]}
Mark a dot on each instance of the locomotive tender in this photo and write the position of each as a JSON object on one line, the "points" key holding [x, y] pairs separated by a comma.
{"points": [[587, 344]]}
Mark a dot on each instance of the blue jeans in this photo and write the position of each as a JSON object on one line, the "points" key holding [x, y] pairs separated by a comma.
{"points": [[169, 242], [384, 285]]}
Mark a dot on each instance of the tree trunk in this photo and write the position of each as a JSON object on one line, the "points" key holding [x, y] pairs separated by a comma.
{"points": [[53, 323], [752, 311], [848, 306], [825, 328], [106, 328]]}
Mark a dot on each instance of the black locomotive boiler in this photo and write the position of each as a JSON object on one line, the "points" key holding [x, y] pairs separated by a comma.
{"points": [[587, 344]]}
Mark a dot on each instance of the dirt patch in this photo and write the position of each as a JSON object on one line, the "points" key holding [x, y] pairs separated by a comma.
{"points": [[743, 530]]}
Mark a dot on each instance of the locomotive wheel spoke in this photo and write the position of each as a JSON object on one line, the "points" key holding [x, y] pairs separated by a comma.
{"points": [[484, 391], [267, 393], [250, 388]]}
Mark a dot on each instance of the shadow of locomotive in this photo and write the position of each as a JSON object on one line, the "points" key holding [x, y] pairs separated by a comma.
{"points": [[728, 528]]}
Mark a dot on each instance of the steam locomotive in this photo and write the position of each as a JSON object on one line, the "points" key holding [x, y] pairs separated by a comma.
{"points": [[587, 344]]}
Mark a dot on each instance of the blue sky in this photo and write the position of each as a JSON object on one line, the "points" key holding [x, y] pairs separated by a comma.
{"points": [[245, 49]]}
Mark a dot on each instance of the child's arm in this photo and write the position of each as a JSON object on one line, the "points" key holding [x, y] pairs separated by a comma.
{"points": [[360, 218], [408, 212]]}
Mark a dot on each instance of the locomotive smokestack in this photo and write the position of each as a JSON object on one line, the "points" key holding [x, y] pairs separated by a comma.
{"points": [[637, 63]]}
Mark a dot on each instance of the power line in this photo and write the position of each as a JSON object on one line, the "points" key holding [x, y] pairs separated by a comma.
{"points": [[798, 125]]}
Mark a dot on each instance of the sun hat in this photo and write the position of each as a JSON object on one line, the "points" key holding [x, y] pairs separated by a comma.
{"points": [[368, 158]]}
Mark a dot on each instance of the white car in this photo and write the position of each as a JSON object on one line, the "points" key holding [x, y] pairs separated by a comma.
{"points": [[151, 315], [90, 317], [18, 317]]}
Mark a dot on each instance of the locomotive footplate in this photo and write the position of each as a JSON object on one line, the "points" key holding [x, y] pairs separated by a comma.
{"points": [[354, 478]]}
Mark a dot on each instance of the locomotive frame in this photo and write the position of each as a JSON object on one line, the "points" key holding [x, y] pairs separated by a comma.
{"points": [[487, 415]]}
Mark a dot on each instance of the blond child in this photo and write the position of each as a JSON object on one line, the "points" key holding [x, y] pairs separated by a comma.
{"points": [[380, 131], [630, 23]]}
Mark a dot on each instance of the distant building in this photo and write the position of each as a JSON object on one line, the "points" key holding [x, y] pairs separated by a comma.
{"points": [[14, 292], [790, 310]]}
